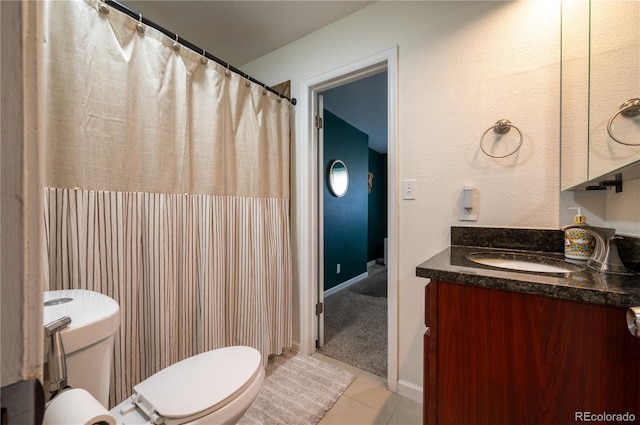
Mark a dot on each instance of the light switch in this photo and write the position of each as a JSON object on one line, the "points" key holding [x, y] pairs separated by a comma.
{"points": [[409, 189]]}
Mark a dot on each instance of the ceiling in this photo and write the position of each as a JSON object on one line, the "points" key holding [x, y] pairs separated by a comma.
{"points": [[363, 104], [239, 31]]}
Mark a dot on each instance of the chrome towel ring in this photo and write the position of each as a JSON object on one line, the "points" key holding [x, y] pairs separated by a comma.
{"points": [[629, 109], [501, 127]]}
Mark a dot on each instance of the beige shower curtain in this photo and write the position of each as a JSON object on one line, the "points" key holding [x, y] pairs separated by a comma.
{"points": [[167, 188]]}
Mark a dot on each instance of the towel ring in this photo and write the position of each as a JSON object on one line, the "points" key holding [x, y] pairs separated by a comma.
{"points": [[629, 109], [501, 127]]}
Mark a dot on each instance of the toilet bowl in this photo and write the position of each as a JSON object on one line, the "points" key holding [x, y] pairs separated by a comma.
{"points": [[215, 387]]}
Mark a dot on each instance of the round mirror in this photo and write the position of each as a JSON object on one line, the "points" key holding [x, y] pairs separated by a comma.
{"points": [[338, 178]]}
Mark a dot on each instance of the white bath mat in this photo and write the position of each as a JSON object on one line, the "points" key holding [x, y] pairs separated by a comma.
{"points": [[298, 390]]}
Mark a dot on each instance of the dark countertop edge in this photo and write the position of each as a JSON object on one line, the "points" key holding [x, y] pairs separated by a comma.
{"points": [[441, 267], [594, 296]]}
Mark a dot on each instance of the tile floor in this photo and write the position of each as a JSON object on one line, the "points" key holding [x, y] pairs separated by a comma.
{"points": [[368, 401]]}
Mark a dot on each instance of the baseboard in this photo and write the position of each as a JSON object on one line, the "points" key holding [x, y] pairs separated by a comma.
{"points": [[410, 391], [371, 263], [346, 284]]}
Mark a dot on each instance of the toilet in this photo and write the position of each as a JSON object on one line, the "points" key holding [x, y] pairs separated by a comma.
{"points": [[214, 387], [88, 339]]}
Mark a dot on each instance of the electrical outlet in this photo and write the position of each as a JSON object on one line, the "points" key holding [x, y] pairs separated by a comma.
{"points": [[468, 205], [338, 268]]}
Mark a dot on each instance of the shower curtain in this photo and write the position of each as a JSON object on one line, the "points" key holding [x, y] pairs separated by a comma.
{"points": [[166, 188]]}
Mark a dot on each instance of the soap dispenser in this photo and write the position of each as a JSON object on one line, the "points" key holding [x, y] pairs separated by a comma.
{"points": [[578, 242]]}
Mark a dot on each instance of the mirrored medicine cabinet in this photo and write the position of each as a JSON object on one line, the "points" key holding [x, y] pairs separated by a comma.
{"points": [[600, 102]]}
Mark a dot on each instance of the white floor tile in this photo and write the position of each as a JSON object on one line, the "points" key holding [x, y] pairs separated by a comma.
{"points": [[351, 412], [368, 401], [372, 391]]}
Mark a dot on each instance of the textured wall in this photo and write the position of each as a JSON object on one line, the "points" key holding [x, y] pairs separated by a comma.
{"points": [[377, 205], [462, 66], [345, 218]]}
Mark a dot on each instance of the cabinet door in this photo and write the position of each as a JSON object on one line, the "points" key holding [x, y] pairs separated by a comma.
{"points": [[429, 396], [509, 358], [614, 78]]}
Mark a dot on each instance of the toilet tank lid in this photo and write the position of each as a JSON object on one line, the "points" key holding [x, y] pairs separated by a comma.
{"points": [[198, 383]]}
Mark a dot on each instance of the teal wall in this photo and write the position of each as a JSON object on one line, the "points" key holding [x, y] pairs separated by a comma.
{"points": [[377, 206], [346, 218]]}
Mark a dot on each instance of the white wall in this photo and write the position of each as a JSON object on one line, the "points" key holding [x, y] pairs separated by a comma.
{"points": [[606, 208], [462, 66], [623, 209]]}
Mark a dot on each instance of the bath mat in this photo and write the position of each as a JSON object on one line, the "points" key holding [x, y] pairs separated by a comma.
{"points": [[298, 390]]}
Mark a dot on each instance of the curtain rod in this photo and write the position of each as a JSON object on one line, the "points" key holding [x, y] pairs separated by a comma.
{"points": [[124, 9]]}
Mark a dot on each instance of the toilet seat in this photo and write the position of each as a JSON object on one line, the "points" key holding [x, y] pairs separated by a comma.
{"points": [[197, 386]]}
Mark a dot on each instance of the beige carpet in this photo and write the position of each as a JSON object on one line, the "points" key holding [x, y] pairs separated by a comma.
{"points": [[355, 324], [298, 390]]}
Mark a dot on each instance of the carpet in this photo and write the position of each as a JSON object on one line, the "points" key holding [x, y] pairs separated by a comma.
{"points": [[355, 324], [298, 390]]}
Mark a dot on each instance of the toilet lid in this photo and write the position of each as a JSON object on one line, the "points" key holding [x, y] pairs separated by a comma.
{"points": [[199, 383]]}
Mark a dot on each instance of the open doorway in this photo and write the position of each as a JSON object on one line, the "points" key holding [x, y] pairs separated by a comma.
{"points": [[354, 222], [309, 226]]}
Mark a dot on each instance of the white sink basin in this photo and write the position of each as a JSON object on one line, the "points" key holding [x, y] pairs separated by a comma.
{"points": [[523, 262]]}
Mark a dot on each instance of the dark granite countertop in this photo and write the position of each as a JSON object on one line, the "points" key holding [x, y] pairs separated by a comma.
{"points": [[582, 284]]}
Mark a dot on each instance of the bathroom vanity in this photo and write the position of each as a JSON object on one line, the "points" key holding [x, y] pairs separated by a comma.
{"points": [[511, 347]]}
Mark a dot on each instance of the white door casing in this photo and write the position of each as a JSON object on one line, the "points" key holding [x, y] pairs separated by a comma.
{"points": [[319, 124], [308, 204]]}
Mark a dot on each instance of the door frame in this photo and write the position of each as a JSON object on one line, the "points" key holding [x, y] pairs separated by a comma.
{"points": [[309, 189]]}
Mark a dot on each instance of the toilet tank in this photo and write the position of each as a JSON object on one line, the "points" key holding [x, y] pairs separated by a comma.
{"points": [[88, 340]]}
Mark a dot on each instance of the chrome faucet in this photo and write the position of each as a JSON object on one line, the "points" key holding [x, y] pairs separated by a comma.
{"points": [[605, 256]]}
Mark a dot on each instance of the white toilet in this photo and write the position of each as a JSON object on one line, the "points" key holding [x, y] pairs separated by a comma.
{"points": [[88, 340], [215, 387]]}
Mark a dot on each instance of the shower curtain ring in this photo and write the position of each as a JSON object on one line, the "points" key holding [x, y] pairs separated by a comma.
{"points": [[103, 8], [203, 59], [227, 72], [140, 27], [264, 89], [176, 44]]}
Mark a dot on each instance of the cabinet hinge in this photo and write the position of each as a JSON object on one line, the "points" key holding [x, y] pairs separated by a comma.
{"points": [[318, 121], [319, 308]]}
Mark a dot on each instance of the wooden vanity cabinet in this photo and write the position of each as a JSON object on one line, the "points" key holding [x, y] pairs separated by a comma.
{"points": [[499, 357]]}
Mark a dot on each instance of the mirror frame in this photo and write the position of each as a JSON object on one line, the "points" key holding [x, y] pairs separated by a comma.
{"points": [[333, 179]]}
